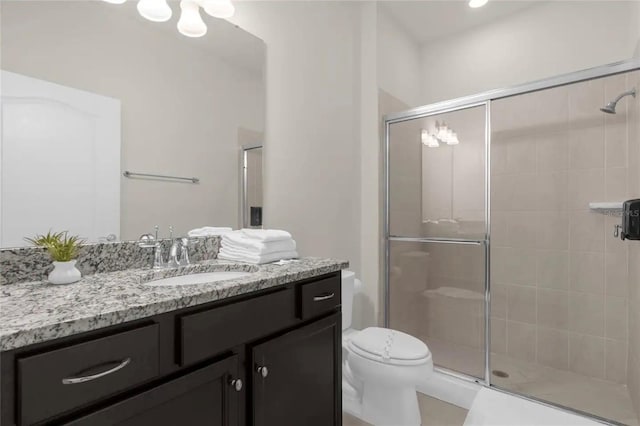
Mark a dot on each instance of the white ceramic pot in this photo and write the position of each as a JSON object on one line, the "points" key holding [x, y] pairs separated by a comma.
{"points": [[64, 273]]}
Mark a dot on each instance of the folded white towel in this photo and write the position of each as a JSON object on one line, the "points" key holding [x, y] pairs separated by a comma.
{"points": [[227, 254], [243, 252], [208, 231], [238, 241], [266, 235]]}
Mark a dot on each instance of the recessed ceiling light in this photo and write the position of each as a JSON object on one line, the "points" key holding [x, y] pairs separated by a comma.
{"points": [[477, 3]]}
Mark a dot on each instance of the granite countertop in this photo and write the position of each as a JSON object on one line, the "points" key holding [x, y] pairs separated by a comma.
{"points": [[36, 312]]}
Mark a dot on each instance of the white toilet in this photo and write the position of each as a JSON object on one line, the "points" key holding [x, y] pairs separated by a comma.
{"points": [[380, 369]]}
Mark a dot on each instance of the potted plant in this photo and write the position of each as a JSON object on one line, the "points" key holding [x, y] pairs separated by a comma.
{"points": [[63, 249]]}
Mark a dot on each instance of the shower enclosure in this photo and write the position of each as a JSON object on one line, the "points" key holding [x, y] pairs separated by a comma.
{"points": [[499, 248]]}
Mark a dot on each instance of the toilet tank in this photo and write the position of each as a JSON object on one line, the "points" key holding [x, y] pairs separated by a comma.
{"points": [[348, 288]]}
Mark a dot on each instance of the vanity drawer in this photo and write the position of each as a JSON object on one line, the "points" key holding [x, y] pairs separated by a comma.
{"points": [[53, 382], [320, 297], [205, 334]]}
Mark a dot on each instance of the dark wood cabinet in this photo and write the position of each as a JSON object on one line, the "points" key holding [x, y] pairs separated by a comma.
{"points": [[205, 397], [58, 380], [296, 377], [192, 367]]}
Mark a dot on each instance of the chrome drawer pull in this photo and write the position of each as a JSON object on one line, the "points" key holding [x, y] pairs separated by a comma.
{"points": [[323, 297], [82, 379]]}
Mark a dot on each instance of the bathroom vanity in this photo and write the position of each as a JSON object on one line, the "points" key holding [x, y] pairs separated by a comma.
{"points": [[263, 349]]}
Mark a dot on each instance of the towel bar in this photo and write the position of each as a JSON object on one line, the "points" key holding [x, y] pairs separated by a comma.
{"points": [[149, 175]]}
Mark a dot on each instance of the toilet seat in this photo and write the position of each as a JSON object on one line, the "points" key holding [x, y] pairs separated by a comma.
{"points": [[389, 347]]}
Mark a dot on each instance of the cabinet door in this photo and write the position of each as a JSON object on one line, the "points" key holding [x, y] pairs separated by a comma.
{"points": [[203, 397], [301, 384]]}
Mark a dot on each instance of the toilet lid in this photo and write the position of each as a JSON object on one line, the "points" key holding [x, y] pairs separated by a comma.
{"points": [[389, 346]]}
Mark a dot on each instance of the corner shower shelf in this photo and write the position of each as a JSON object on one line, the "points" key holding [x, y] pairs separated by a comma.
{"points": [[607, 207]]}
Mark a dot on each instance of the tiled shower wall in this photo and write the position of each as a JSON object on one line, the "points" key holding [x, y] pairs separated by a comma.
{"points": [[560, 280], [633, 375]]}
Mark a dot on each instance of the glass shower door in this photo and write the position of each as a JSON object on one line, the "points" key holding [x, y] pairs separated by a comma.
{"points": [[436, 235], [559, 282]]}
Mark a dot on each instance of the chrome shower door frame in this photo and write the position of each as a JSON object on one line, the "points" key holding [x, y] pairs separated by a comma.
{"points": [[388, 238], [476, 100]]}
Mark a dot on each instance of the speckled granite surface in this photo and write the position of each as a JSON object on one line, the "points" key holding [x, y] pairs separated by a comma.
{"points": [[34, 264], [36, 312]]}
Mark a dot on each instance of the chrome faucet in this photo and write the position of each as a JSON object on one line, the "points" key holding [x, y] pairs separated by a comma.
{"points": [[181, 257], [149, 241], [174, 261], [184, 252], [178, 253], [158, 260]]}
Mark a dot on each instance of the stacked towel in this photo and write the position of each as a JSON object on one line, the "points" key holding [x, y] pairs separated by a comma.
{"points": [[208, 231], [257, 246], [266, 235]]}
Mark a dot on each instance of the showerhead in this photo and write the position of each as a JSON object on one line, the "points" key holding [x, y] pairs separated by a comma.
{"points": [[610, 108]]}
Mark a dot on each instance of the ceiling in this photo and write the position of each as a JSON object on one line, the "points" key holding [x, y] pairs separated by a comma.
{"points": [[223, 39], [428, 20]]}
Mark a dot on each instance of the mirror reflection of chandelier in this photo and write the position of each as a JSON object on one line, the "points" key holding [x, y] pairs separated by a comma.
{"points": [[442, 134], [190, 23]]}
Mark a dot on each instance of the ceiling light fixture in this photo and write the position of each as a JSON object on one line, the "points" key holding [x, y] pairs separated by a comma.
{"points": [[218, 8], [452, 138], [191, 23], [154, 10], [441, 131], [429, 140], [477, 3], [442, 134]]}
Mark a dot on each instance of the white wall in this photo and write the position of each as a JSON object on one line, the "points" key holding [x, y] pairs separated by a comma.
{"points": [[312, 155], [637, 33], [399, 61], [367, 306], [322, 171], [550, 39], [181, 104]]}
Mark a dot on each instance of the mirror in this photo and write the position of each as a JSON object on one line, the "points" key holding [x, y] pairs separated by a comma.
{"points": [[95, 99], [252, 186]]}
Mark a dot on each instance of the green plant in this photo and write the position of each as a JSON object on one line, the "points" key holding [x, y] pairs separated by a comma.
{"points": [[61, 246]]}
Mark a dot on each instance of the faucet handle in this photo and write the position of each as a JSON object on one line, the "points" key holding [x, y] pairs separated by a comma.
{"points": [[158, 259], [184, 252], [170, 232], [147, 241]]}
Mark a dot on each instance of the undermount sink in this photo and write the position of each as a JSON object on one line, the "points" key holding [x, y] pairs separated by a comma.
{"points": [[201, 278]]}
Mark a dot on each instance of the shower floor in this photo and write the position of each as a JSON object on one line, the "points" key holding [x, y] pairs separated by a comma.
{"points": [[600, 397]]}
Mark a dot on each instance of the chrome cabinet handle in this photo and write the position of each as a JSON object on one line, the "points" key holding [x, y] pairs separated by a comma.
{"points": [[263, 371], [237, 384], [82, 379], [324, 297]]}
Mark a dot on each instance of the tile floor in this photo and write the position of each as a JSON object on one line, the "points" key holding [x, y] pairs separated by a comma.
{"points": [[434, 413]]}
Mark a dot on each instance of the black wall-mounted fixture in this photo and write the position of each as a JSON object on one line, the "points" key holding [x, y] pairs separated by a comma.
{"points": [[631, 220], [256, 216]]}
